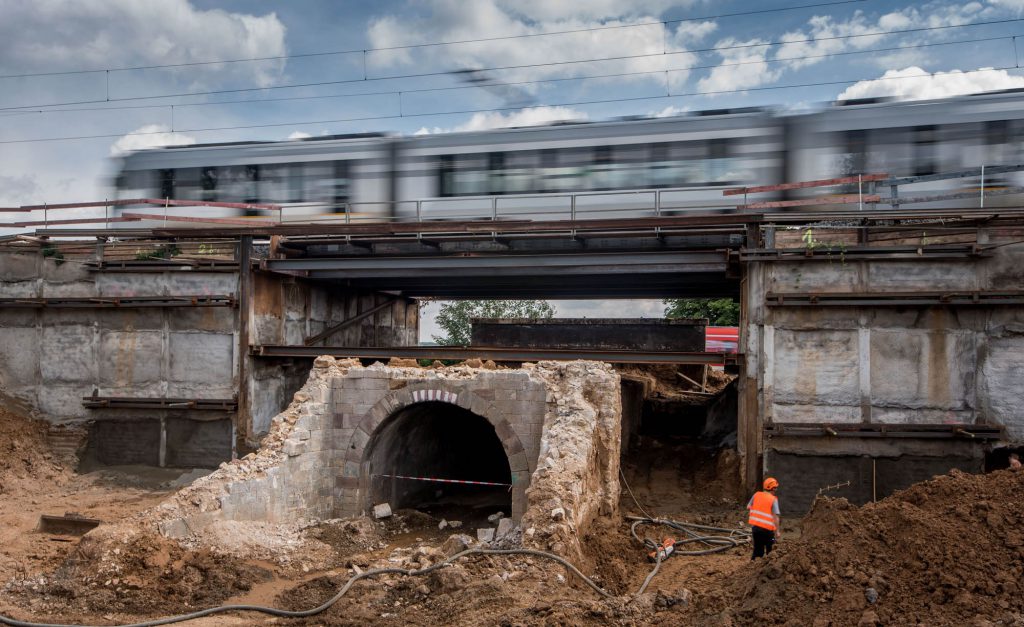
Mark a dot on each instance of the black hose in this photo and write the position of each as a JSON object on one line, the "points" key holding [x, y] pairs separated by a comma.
{"points": [[714, 544], [273, 611]]}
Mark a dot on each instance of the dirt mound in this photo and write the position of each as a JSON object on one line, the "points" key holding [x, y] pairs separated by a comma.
{"points": [[933, 554], [25, 456], [117, 571], [669, 381]]}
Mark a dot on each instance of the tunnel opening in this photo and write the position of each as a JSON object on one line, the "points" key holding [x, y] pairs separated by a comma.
{"points": [[432, 441]]}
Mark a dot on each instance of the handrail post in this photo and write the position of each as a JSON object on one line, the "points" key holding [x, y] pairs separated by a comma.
{"points": [[860, 192], [348, 213], [657, 203], [494, 208], [572, 207], [419, 216]]}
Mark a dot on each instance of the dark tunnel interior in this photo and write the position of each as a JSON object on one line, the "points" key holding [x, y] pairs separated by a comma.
{"points": [[439, 441]]}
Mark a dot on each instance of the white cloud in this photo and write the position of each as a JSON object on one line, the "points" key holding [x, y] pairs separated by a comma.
{"points": [[44, 35], [298, 135], [744, 65], [913, 83], [669, 111], [531, 116], [556, 10], [454, 20], [149, 136]]}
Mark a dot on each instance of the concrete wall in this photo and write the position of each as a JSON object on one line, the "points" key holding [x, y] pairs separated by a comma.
{"points": [[50, 358], [882, 365], [286, 311]]}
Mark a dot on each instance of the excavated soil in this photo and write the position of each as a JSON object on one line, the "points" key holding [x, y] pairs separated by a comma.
{"points": [[949, 551]]}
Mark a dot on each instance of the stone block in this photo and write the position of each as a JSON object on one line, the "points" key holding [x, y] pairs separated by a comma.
{"points": [[208, 319], [67, 354], [206, 358], [505, 525], [19, 357], [294, 447], [174, 529], [19, 266], [382, 510], [130, 358], [75, 289], [485, 535]]}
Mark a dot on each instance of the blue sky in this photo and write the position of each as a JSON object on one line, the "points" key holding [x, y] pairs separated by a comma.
{"points": [[713, 62]]}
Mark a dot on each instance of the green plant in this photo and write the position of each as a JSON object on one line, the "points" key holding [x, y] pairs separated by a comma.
{"points": [[163, 251], [719, 311], [54, 253], [455, 317]]}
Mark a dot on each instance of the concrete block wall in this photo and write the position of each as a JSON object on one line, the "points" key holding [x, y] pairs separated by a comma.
{"points": [[883, 365], [51, 358]]}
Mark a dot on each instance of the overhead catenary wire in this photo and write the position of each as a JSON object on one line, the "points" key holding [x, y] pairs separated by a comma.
{"points": [[493, 109], [434, 44], [524, 82], [514, 67]]}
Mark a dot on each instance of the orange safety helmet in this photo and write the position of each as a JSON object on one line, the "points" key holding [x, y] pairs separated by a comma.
{"points": [[770, 483]]}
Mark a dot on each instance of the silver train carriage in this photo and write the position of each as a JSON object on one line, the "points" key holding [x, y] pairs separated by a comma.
{"points": [[623, 168], [587, 170]]}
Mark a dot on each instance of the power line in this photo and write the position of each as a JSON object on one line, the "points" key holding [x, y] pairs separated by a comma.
{"points": [[523, 66], [497, 109], [527, 82], [440, 43]]}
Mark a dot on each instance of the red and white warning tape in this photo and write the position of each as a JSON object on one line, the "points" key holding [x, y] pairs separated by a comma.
{"points": [[503, 485]]}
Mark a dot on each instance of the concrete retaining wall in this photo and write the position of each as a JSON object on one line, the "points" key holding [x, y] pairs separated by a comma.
{"points": [[942, 365]]}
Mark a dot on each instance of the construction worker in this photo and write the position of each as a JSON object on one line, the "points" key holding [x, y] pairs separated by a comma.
{"points": [[765, 520], [1014, 461]]}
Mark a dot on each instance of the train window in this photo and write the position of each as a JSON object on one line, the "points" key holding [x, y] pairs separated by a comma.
{"points": [[520, 167], [274, 183], [208, 182], [496, 169], [548, 166], [318, 182], [997, 142], [470, 177], [601, 173], [340, 185], [926, 144], [661, 172], [186, 184], [718, 163], [166, 183], [855, 157], [445, 169]]}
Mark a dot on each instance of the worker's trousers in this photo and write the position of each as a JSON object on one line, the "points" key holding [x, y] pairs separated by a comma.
{"points": [[764, 540]]}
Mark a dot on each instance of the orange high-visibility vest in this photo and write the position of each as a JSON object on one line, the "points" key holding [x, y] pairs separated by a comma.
{"points": [[761, 511]]}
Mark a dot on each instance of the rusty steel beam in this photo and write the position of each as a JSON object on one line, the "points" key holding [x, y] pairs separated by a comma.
{"points": [[169, 202], [174, 218], [121, 402], [894, 299], [864, 178], [122, 302], [496, 354], [309, 341], [861, 430], [72, 221], [852, 253], [845, 199]]}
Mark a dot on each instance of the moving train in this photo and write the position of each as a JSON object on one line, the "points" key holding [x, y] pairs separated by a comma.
{"points": [[619, 168]]}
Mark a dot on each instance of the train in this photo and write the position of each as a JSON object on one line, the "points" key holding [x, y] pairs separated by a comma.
{"points": [[627, 167]]}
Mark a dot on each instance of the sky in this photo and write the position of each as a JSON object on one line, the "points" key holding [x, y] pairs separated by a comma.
{"points": [[344, 66]]}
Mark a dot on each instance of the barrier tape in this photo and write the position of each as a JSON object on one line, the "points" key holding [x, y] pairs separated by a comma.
{"points": [[438, 480]]}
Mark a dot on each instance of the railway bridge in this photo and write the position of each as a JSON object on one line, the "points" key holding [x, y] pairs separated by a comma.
{"points": [[884, 345]]}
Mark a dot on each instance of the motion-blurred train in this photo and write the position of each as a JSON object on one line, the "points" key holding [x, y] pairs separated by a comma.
{"points": [[627, 167]]}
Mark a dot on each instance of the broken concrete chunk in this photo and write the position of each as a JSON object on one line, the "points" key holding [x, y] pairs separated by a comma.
{"points": [[558, 513], [473, 363], [505, 525], [493, 518], [382, 510], [485, 535], [294, 447], [529, 532], [456, 543], [454, 524], [443, 524]]}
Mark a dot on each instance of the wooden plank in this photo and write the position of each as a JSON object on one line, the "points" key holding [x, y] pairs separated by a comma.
{"points": [[864, 178], [845, 199], [73, 221], [170, 202]]}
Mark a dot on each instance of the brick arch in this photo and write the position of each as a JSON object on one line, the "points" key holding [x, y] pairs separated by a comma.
{"points": [[354, 479]]}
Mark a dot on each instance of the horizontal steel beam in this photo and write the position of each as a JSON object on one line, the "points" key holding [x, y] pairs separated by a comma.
{"points": [[893, 299], [496, 354], [121, 402], [580, 263], [123, 302], [849, 253], [859, 430]]}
